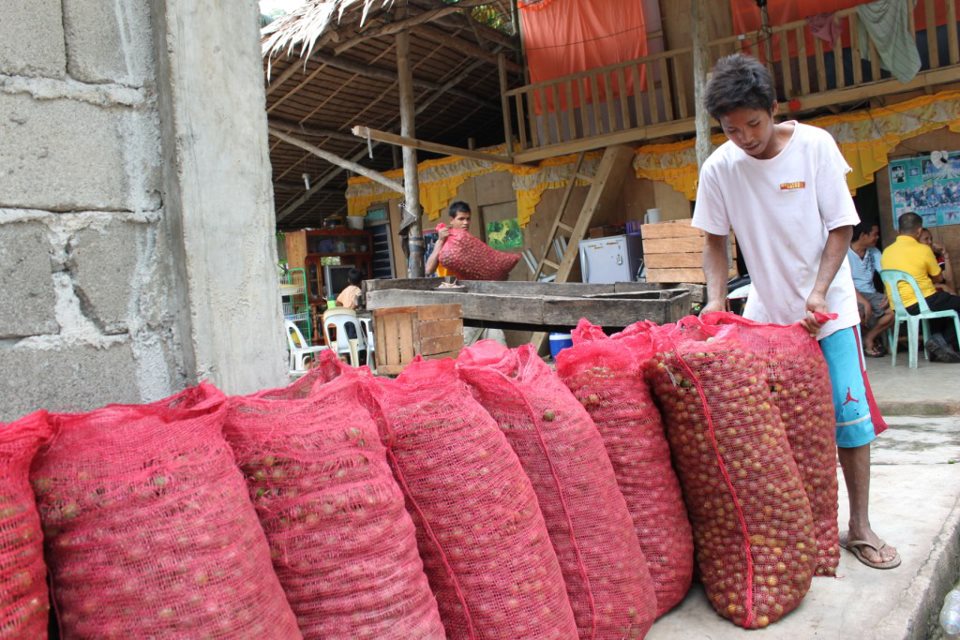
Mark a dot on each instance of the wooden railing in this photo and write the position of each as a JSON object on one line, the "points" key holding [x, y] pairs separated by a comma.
{"points": [[652, 96]]}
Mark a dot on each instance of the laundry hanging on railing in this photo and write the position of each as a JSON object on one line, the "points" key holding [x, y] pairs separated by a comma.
{"points": [[887, 23]]}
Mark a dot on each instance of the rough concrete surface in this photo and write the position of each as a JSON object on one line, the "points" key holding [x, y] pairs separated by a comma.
{"points": [[218, 193], [31, 38], [915, 506], [103, 262], [933, 388], [108, 41], [62, 155], [25, 283], [68, 377]]}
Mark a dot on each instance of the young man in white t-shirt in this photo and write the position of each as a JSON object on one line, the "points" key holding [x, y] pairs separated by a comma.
{"points": [[782, 188]]}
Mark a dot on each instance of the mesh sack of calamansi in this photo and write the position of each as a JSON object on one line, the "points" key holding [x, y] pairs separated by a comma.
{"points": [[148, 528], [341, 540], [562, 452], [799, 381], [606, 376], [752, 525], [482, 538], [470, 258], [24, 603]]}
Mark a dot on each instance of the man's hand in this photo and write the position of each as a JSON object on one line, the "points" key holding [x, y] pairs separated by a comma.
{"points": [[816, 303], [442, 234], [713, 305]]}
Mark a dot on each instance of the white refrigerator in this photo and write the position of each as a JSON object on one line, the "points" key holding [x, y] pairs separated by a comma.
{"points": [[610, 259]]}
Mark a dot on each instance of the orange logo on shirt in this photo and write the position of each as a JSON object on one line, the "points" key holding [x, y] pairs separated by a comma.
{"points": [[790, 186]]}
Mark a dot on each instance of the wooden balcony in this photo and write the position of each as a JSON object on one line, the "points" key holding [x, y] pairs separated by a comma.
{"points": [[652, 97]]}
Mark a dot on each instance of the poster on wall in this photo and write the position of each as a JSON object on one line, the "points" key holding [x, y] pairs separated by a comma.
{"points": [[928, 185], [505, 235]]}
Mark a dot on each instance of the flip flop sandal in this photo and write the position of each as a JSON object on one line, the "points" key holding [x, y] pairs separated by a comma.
{"points": [[856, 548], [873, 353]]}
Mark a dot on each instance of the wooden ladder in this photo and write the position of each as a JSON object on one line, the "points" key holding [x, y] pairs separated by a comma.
{"points": [[605, 187]]}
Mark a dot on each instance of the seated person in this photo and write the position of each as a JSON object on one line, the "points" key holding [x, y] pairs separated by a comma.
{"points": [[909, 255], [943, 260], [459, 213], [876, 315], [350, 294]]}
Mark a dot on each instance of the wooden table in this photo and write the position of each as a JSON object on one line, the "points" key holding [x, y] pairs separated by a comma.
{"points": [[539, 306]]}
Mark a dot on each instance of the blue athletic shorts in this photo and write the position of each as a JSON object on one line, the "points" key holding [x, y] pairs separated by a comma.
{"points": [[858, 418]]}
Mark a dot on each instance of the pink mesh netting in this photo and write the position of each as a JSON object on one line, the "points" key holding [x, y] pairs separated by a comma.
{"points": [[800, 381], [148, 528], [471, 259], [24, 605], [606, 376], [604, 569], [482, 537], [752, 525], [342, 543]]}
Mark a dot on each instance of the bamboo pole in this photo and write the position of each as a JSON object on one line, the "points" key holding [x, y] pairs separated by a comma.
{"points": [[411, 181], [332, 158], [698, 15]]}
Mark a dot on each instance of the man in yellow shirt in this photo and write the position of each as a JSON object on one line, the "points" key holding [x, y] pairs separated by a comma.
{"points": [[908, 254]]}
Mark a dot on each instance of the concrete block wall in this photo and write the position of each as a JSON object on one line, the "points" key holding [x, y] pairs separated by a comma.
{"points": [[92, 246]]}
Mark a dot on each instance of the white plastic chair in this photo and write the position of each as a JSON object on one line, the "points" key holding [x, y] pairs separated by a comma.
{"points": [[300, 351], [366, 324], [338, 319]]}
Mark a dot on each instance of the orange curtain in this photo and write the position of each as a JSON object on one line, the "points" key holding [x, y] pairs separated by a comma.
{"points": [[562, 37]]}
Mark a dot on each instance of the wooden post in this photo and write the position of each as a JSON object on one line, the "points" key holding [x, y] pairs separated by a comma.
{"points": [[505, 102], [698, 15], [411, 181]]}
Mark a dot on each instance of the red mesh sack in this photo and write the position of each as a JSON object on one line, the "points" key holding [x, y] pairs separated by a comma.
{"points": [[800, 382], [342, 543], [148, 527], [24, 604], [607, 379], [484, 544], [752, 524], [559, 447], [470, 258]]}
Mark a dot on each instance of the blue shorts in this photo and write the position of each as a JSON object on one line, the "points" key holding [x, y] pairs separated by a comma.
{"points": [[858, 418]]}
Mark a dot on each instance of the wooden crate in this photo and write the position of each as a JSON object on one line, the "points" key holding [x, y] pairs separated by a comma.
{"points": [[673, 252], [402, 333]]}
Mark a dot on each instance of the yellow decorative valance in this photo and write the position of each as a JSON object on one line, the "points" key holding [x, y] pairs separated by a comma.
{"points": [[865, 138]]}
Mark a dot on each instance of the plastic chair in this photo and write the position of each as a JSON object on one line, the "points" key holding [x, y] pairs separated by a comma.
{"points": [[338, 319], [366, 324], [300, 351], [891, 279]]}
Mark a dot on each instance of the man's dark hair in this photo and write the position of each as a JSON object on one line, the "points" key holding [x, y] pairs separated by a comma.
{"points": [[739, 81], [862, 228], [457, 206], [909, 222], [355, 277]]}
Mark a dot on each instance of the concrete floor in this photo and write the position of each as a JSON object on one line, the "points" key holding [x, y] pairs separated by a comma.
{"points": [[915, 506]]}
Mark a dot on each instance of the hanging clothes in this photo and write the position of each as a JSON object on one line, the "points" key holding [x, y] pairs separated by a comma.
{"points": [[824, 26], [887, 23]]}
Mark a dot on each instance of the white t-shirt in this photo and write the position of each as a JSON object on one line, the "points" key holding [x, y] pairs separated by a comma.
{"points": [[781, 210]]}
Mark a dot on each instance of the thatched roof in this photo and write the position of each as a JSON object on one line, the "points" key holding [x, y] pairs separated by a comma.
{"points": [[331, 64]]}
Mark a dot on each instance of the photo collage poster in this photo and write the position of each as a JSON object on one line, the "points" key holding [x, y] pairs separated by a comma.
{"points": [[928, 185]]}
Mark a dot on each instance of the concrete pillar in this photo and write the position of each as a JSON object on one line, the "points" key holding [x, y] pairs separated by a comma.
{"points": [[218, 190]]}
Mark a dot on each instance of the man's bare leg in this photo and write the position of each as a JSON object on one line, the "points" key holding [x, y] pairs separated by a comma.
{"points": [[856, 474], [870, 340]]}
